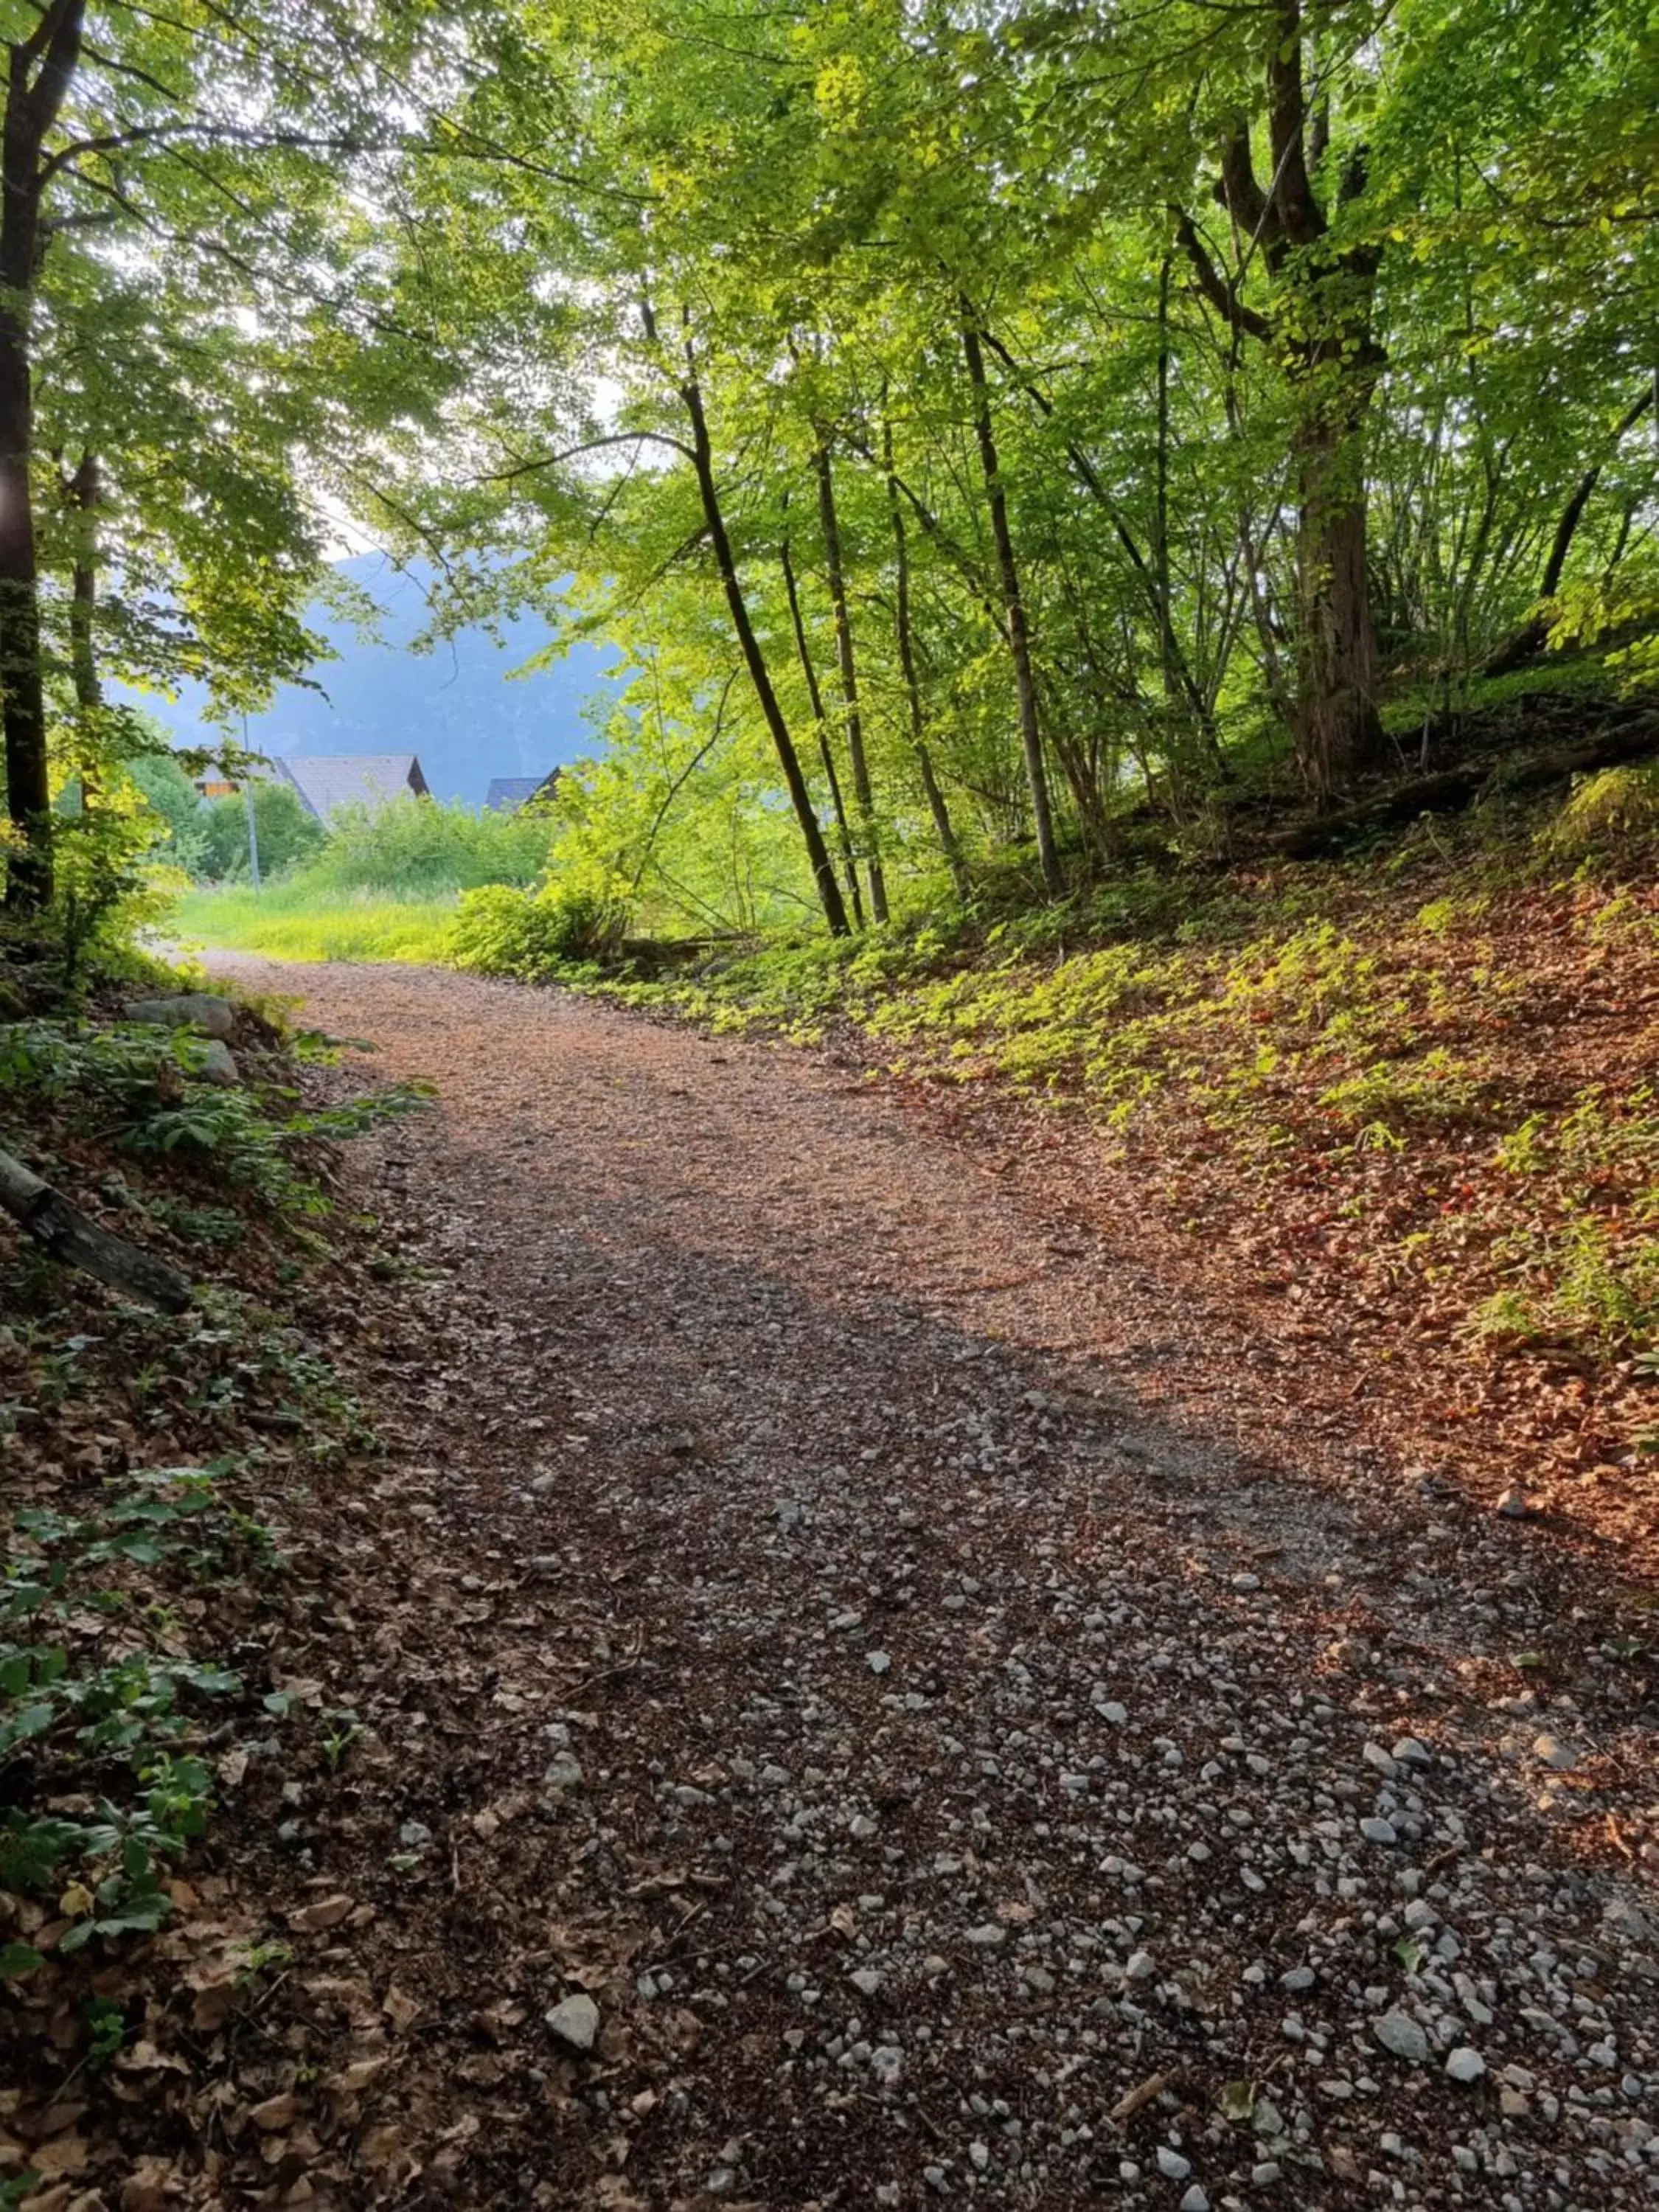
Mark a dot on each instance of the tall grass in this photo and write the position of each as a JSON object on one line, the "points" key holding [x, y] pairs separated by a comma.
{"points": [[292, 921], [382, 887]]}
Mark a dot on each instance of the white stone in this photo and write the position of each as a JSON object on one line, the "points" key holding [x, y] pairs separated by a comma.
{"points": [[575, 2022]]}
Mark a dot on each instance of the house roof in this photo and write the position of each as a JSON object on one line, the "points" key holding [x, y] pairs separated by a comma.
{"points": [[327, 781], [507, 793]]}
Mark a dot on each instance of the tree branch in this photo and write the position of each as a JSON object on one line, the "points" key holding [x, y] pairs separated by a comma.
{"points": [[1221, 295]]}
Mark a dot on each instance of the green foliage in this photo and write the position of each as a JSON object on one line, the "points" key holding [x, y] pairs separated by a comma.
{"points": [[143, 1086], [287, 833], [1606, 814], [534, 935], [109, 1716], [290, 921], [416, 850], [174, 799]]}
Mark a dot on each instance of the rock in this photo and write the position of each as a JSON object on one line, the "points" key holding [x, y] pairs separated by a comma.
{"points": [[186, 1010], [1195, 2200], [1399, 2032], [878, 1663], [866, 1980], [987, 1935], [1513, 1503], [1410, 1752], [1298, 1978], [1266, 2172], [1171, 2165], [1384, 1762], [1141, 1968], [216, 1063], [575, 2022], [1464, 2064], [1378, 1832], [1553, 1752]]}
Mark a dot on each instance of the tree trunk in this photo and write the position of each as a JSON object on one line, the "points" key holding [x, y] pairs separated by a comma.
{"points": [[943, 828], [39, 72], [67, 1234], [85, 490], [863, 796], [826, 752], [1340, 731], [1013, 611], [818, 853], [1529, 640]]}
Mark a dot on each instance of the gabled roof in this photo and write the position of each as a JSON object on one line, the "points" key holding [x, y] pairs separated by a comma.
{"points": [[507, 793], [326, 781]]}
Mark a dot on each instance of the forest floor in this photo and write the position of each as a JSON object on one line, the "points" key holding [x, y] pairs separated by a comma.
{"points": [[947, 1703]]}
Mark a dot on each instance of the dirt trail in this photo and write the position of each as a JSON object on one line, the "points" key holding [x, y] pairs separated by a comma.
{"points": [[950, 1772]]}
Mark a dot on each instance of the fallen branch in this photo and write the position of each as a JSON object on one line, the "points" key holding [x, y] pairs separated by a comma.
{"points": [[66, 1233], [1452, 788]]}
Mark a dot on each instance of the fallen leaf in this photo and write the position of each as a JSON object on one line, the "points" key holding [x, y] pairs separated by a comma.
{"points": [[276, 2111], [313, 1919]]}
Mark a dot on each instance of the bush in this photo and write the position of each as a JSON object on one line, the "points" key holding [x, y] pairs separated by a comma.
{"points": [[286, 832], [416, 848], [172, 798], [502, 932], [1613, 808]]}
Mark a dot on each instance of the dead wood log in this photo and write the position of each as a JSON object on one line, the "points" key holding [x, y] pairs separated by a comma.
{"points": [[66, 1233], [1452, 788]]}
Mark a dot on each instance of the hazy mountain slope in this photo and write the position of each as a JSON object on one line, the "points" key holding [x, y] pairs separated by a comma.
{"points": [[458, 706]]}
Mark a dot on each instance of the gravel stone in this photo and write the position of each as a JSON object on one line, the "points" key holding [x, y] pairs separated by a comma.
{"points": [[1398, 2032], [575, 2021]]}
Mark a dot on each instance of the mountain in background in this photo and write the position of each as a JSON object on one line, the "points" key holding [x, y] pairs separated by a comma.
{"points": [[457, 706]]}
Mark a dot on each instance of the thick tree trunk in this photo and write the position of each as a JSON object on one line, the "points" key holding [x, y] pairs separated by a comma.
{"points": [[863, 795], [818, 853], [1340, 730], [943, 828], [67, 1234], [1013, 612], [820, 722], [39, 70]]}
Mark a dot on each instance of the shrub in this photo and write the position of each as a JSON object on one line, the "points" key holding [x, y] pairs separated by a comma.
{"points": [[416, 848], [1612, 808], [502, 932], [287, 833]]}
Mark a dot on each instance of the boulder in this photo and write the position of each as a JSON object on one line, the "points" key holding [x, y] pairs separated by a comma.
{"points": [[217, 1063], [187, 1010]]}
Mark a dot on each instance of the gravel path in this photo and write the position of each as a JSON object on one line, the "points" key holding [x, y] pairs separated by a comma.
{"points": [[940, 1772]]}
